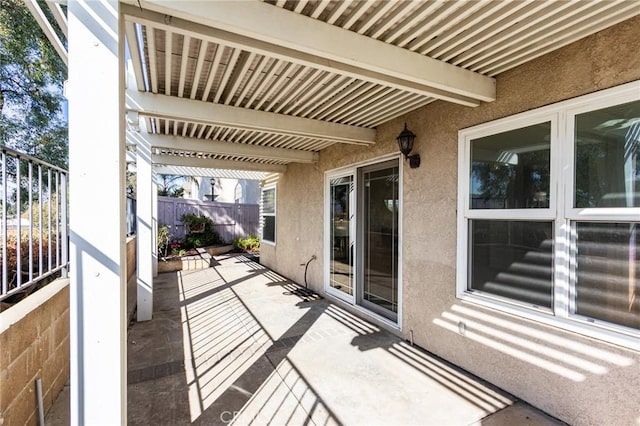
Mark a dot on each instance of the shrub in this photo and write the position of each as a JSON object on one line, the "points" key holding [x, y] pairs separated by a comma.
{"points": [[164, 237], [250, 244], [207, 236], [194, 223], [12, 256]]}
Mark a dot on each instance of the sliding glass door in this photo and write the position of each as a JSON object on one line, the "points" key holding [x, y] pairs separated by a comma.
{"points": [[341, 268], [378, 215], [362, 252]]}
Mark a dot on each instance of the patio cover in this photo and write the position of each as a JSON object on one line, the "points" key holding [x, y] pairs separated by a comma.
{"points": [[237, 85]]}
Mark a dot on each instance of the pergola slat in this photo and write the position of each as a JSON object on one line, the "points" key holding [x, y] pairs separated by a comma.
{"points": [[198, 71], [262, 62], [539, 49], [228, 70], [153, 68], [538, 23], [337, 12], [243, 65], [183, 64], [285, 88], [277, 84], [275, 65], [434, 10], [212, 71], [168, 48], [428, 42], [401, 11], [373, 97]]}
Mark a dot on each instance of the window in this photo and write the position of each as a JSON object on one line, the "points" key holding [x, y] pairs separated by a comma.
{"points": [[607, 275], [549, 208], [511, 170], [607, 164], [512, 259], [268, 214]]}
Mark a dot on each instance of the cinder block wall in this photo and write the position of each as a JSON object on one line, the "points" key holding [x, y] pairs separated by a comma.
{"points": [[34, 343], [131, 277], [131, 257]]}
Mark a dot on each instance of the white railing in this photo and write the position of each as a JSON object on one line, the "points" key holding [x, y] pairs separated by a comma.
{"points": [[33, 223]]}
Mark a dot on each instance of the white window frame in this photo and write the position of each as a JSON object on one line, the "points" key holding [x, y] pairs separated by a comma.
{"points": [[274, 214], [352, 170], [561, 212]]}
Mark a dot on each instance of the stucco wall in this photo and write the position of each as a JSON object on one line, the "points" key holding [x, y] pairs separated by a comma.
{"points": [[298, 225], [577, 379], [34, 343]]}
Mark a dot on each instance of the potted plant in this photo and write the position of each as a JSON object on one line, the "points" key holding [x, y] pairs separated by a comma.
{"points": [[193, 223]]}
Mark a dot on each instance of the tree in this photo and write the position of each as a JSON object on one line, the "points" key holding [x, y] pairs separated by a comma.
{"points": [[31, 77], [171, 186]]}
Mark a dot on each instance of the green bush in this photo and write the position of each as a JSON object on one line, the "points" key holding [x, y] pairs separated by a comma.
{"points": [[207, 237], [251, 244], [192, 220], [163, 239]]}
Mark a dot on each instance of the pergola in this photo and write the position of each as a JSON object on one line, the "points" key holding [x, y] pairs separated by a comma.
{"points": [[213, 87]]}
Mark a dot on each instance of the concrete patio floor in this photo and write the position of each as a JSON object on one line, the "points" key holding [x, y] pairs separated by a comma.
{"points": [[235, 344]]}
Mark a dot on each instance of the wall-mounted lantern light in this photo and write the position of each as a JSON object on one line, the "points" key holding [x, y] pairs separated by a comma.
{"points": [[405, 142]]}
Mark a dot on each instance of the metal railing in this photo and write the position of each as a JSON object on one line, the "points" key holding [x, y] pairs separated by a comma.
{"points": [[33, 222]]}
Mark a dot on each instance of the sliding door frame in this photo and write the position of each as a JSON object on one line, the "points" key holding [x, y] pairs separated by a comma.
{"points": [[351, 243], [355, 299]]}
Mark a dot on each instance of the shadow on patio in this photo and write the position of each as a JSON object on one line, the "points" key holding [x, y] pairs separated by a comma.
{"points": [[236, 343]]}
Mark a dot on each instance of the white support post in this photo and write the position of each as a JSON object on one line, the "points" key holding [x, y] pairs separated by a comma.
{"points": [[97, 213], [154, 226], [144, 227]]}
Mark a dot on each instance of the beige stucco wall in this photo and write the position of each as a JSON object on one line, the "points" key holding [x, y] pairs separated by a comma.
{"points": [[34, 343], [585, 381]]}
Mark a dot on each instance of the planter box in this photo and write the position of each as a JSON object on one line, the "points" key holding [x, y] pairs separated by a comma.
{"points": [[218, 250], [194, 262], [169, 265]]}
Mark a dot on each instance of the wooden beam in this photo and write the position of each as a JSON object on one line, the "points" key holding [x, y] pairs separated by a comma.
{"points": [[217, 173], [135, 74], [181, 109], [206, 163], [180, 143], [313, 43]]}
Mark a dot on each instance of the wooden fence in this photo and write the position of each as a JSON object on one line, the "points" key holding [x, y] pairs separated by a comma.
{"points": [[230, 220]]}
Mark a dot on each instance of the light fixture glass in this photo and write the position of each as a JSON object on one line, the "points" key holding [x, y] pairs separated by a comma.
{"points": [[405, 143]]}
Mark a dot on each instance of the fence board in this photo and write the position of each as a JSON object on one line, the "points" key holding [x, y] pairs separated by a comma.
{"points": [[230, 220]]}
